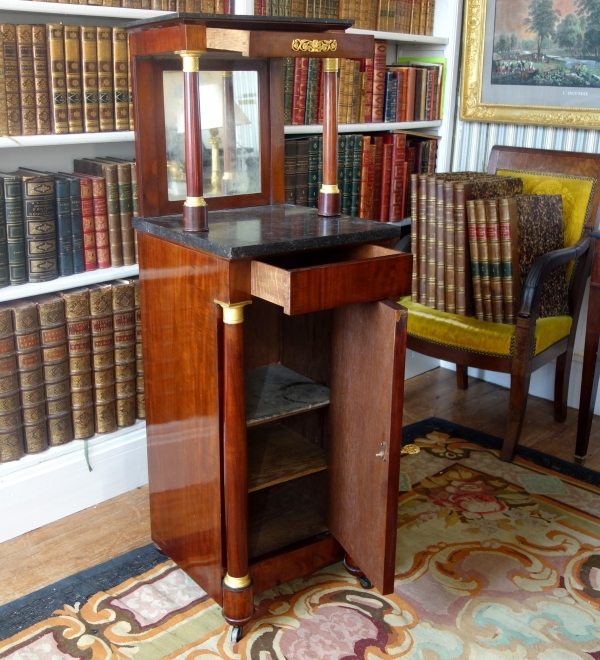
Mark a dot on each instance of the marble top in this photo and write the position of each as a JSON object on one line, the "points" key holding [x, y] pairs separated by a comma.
{"points": [[262, 231]]}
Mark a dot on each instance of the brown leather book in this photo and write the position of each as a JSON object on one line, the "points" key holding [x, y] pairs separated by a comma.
{"points": [[57, 78], [89, 76], [386, 182], [430, 215], [139, 362], [411, 79], [31, 375], [125, 208], [398, 181], [449, 245], [40, 74], [73, 78], [11, 421], [79, 382], [299, 98], [55, 359], [379, 80], [422, 224], [509, 254], [103, 360], [415, 16], [130, 89], [414, 235], [90, 258], [124, 313], [378, 178], [474, 254], [364, 193], [430, 16], [484, 260], [440, 243], [106, 99], [3, 110], [120, 79], [26, 79], [493, 243], [11, 78]]}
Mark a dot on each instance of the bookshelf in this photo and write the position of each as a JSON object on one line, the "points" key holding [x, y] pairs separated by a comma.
{"points": [[119, 459]]}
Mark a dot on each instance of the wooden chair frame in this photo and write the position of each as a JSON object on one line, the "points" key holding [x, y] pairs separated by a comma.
{"points": [[523, 362]]}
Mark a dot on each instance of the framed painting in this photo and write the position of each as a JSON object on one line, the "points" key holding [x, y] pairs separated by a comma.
{"points": [[532, 62]]}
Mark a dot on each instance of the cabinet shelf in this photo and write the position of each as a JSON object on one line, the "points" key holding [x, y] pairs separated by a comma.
{"points": [[57, 8], [396, 37], [69, 282], [275, 392], [276, 454], [367, 127], [54, 140]]}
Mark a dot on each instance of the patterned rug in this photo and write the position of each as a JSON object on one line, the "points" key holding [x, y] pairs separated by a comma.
{"points": [[495, 561]]}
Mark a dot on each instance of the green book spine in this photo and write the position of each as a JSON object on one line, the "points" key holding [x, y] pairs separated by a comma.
{"points": [[310, 114], [356, 166], [341, 160], [4, 274], [348, 163], [15, 235], [288, 89], [320, 166], [313, 171]]}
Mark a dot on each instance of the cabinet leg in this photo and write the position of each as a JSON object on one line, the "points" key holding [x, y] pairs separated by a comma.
{"points": [[238, 605], [353, 569]]}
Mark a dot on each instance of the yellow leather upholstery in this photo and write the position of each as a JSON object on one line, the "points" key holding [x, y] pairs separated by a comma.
{"points": [[468, 333]]}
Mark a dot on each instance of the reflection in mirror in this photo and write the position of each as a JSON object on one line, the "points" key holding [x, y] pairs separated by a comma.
{"points": [[230, 133]]}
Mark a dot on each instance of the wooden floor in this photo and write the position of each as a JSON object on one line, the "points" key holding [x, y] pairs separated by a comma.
{"points": [[85, 539]]}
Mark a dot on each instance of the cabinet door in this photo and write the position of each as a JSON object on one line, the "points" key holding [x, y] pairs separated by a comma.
{"points": [[367, 389]]}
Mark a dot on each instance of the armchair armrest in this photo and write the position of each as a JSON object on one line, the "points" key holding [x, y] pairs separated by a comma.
{"points": [[532, 291]]}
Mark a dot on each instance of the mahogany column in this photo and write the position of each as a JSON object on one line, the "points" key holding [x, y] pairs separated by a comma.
{"points": [[195, 216], [329, 195], [237, 586], [229, 148]]}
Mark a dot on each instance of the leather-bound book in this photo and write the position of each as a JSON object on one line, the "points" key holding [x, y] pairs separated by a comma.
{"points": [[120, 79], [299, 96], [57, 78], [494, 258], [26, 79], [343, 91], [368, 90], [89, 77], [342, 139], [354, 93], [11, 78], [135, 205], [365, 165], [55, 359], [11, 421], [422, 223], [126, 212], [509, 254], [310, 114], [346, 187], [31, 375], [430, 215], [429, 19], [440, 244], [391, 90], [123, 302], [484, 260], [411, 81], [130, 90], [3, 110], [302, 172], [79, 381], [449, 245], [362, 95], [15, 233], [414, 235], [73, 78], [95, 221], [76, 222], [288, 89], [398, 158], [4, 269], [474, 254], [103, 360], [313, 171], [139, 361], [386, 183], [379, 80], [106, 99], [289, 164], [40, 74]]}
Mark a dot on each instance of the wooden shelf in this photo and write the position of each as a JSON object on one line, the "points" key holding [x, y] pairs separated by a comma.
{"points": [[367, 127], [281, 516], [275, 392], [60, 9], [70, 282], [68, 139], [276, 454], [396, 37]]}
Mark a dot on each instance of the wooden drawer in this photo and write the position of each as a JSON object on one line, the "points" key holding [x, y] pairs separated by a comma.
{"points": [[310, 281]]}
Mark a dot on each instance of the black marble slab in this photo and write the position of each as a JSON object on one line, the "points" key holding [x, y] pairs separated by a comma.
{"points": [[261, 231]]}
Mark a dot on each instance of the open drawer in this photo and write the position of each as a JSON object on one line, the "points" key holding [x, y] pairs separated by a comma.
{"points": [[322, 279]]}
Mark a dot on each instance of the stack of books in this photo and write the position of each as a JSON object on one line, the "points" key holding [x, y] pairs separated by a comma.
{"points": [[190, 6], [68, 367], [55, 225], [369, 91], [59, 78], [402, 16], [373, 171]]}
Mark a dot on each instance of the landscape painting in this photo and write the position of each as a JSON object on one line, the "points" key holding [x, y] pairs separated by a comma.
{"points": [[547, 43]]}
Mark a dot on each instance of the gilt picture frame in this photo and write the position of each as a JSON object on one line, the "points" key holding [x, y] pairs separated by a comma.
{"points": [[543, 54]]}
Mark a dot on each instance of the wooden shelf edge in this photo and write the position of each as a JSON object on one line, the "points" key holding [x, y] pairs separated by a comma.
{"points": [[402, 38], [70, 282], [363, 128], [54, 140]]}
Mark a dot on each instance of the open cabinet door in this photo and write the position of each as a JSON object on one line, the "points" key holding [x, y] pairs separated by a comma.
{"points": [[367, 390]]}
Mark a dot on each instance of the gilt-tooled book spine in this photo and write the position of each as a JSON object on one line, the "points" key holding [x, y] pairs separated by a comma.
{"points": [[40, 74], [289, 172], [391, 91], [356, 172], [440, 257], [362, 94], [11, 421], [103, 361], [89, 75], [493, 242], [346, 188], [57, 78], [422, 211], [79, 381], [342, 91], [431, 241], [365, 165], [386, 182], [64, 226], [398, 180], [130, 89], [313, 171], [124, 314], [299, 98], [302, 172], [509, 254], [311, 91], [126, 212], [31, 375], [460, 254], [4, 271], [26, 79], [55, 360], [76, 223], [105, 251], [484, 260], [369, 90], [73, 78], [414, 235], [379, 80], [429, 19], [354, 93], [288, 89], [449, 243], [320, 165], [11, 79], [341, 161], [106, 100], [3, 110], [90, 261], [474, 252], [15, 232], [120, 79], [135, 205]]}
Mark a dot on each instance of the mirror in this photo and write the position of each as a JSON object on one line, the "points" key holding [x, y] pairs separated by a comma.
{"points": [[230, 133]]}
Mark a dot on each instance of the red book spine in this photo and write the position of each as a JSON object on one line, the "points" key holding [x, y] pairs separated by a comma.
{"points": [[397, 176], [90, 258], [320, 91], [386, 184], [404, 96], [367, 155], [369, 94], [379, 81], [404, 187], [101, 222], [299, 98], [371, 189]]}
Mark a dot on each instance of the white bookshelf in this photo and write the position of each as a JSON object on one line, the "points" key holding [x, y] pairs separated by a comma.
{"points": [[59, 9], [53, 140], [395, 37], [363, 128]]}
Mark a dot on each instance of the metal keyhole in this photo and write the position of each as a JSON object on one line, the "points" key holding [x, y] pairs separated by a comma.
{"points": [[381, 454]]}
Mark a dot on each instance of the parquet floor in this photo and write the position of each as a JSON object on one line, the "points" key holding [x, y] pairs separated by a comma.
{"points": [[112, 528]]}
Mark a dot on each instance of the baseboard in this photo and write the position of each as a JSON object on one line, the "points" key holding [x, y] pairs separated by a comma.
{"points": [[42, 488], [417, 364]]}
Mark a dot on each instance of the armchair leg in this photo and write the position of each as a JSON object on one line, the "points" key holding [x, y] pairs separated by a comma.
{"points": [[519, 390], [561, 384], [462, 377]]}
